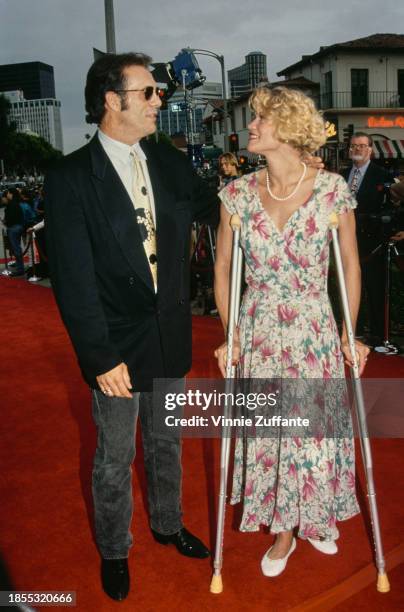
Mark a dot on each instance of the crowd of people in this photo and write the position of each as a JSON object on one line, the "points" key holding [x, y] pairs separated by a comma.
{"points": [[378, 194], [23, 215]]}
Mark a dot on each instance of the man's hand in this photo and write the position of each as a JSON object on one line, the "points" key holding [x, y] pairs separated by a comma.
{"points": [[116, 382], [313, 162], [398, 236]]}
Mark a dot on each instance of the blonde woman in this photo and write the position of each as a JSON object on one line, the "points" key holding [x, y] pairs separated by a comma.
{"points": [[228, 168], [286, 327]]}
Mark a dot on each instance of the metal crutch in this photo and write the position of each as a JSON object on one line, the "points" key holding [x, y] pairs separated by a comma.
{"points": [[383, 585], [216, 585]]}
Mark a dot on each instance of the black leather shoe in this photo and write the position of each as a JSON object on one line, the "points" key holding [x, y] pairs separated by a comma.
{"points": [[17, 273], [115, 578], [186, 543]]}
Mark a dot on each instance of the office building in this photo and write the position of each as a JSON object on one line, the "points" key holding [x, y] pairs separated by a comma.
{"points": [[41, 117], [35, 79], [174, 119], [30, 89], [244, 78], [361, 88]]}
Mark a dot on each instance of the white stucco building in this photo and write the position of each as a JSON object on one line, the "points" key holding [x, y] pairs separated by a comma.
{"points": [[40, 117], [361, 88]]}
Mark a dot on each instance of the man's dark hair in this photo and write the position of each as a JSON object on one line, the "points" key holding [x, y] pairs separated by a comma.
{"points": [[15, 193], [106, 74], [363, 135]]}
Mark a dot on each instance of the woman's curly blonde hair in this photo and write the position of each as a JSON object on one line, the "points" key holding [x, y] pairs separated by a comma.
{"points": [[295, 117]]}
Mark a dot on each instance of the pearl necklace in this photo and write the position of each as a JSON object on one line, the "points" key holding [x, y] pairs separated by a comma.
{"points": [[299, 182]]}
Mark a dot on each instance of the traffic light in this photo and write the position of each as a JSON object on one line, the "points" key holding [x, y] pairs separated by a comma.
{"points": [[243, 163], [164, 95], [348, 132], [233, 142]]}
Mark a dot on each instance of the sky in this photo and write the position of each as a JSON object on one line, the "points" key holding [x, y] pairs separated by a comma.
{"points": [[63, 33]]}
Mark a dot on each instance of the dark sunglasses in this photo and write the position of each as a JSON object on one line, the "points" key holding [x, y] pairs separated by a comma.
{"points": [[148, 91]]}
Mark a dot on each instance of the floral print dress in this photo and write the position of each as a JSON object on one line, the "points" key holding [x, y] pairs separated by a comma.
{"points": [[287, 330]]}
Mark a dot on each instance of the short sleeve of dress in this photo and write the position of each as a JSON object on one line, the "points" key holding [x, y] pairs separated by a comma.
{"points": [[344, 200], [227, 197]]}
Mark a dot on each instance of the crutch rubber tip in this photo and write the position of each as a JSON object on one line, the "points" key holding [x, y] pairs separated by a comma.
{"points": [[333, 220], [216, 586], [383, 584]]}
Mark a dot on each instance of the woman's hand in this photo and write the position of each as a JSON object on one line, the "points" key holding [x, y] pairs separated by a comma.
{"points": [[221, 354], [362, 352]]}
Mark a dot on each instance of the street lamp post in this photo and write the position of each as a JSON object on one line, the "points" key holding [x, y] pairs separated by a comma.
{"points": [[220, 59], [184, 74], [110, 26]]}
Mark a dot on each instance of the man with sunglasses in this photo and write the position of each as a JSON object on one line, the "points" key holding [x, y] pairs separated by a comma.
{"points": [[118, 218], [367, 182]]}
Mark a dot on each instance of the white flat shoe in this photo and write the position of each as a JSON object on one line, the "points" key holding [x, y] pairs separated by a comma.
{"points": [[326, 547], [274, 567]]}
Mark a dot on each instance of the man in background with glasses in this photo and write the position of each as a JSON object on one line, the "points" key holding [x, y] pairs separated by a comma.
{"points": [[118, 219], [367, 182]]}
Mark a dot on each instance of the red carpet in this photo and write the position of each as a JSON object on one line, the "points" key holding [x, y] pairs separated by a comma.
{"points": [[47, 441]]}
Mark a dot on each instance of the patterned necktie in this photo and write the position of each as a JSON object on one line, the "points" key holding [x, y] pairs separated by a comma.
{"points": [[144, 216], [355, 181]]}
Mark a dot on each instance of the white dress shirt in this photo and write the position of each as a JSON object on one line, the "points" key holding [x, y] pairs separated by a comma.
{"points": [[120, 155]]}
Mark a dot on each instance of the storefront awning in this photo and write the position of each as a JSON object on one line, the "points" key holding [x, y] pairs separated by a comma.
{"points": [[388, 149]]}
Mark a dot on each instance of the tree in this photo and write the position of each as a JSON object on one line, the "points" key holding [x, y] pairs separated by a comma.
{"points": [[162, 137], [22, 153], [6, 128], [28, 153]]}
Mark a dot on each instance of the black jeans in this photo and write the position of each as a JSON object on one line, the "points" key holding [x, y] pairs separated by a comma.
{"points": [[116, 420]]}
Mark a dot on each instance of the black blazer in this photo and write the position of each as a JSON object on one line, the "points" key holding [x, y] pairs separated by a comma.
{"points": [[370, 197], [98, 267]]}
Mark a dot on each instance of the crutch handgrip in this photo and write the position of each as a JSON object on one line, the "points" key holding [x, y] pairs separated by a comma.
{"points": [[235, 222], [333, 221], [234, 296]]}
